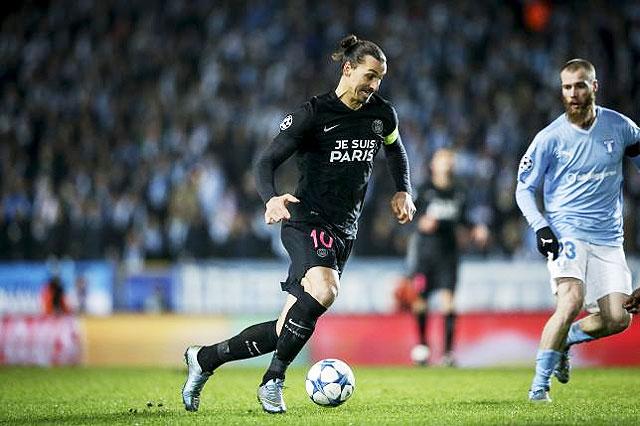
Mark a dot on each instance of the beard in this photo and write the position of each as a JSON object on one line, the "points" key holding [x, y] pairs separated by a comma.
{"points": [[579, 114], [362, 97]]}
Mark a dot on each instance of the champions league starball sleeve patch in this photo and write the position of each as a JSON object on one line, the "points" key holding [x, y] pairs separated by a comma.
{"points": [[286, 122], [526, 164], [525, 167]]}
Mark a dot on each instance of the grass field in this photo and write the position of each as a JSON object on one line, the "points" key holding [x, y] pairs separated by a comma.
{"points": [[440, 396]]}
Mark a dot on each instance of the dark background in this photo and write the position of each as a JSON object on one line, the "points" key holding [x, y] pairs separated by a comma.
{"points": [[127, 128]]}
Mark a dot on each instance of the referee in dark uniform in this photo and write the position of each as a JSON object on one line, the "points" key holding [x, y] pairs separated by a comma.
{"points": [[335, 137]]}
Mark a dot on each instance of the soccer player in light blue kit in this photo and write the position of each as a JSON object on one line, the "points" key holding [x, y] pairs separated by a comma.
{"points": [[578, 159]]}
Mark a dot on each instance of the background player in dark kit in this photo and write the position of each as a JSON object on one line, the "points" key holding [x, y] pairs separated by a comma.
{"points": [[335, 137], [433, 253]]}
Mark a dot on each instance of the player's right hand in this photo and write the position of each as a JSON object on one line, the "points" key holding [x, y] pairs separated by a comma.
{"points": [[547, 243], [276, 208], [632, 304]]}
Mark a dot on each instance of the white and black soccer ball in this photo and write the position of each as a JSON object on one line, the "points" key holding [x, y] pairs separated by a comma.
{"points": [[330, 382], [420, 354]]}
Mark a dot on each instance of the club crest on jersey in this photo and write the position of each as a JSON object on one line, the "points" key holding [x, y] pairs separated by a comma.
{"points": [[286, 122], [377, 127], [608, 143]]}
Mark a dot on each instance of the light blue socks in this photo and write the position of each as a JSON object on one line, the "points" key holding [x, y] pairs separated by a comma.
{"points": [[576, 335], [546, 361]]}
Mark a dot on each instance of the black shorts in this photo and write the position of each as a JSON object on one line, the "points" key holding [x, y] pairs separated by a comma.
{"points": [[431, 267], [311, 244], [443, 275]]}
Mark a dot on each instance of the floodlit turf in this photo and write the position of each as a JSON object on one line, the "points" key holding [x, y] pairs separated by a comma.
{"points": [[440, 396]]}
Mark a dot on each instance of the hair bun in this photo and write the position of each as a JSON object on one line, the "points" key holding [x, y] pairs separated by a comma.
{"points": [[349, 41], [353, 50]]}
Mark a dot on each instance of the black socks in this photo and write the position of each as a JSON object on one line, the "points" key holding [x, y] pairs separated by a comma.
{"points": [[262, 338], [449, 328], [297, 329], [421, 317], [253, 341]]}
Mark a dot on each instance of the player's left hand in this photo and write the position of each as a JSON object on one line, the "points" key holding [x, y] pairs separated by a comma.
{"points": [[548, 244], [402, 207], [632, 304]]}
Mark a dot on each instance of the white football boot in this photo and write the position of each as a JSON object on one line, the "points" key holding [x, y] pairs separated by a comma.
{"points": [[539, 396], [196, 378], [270, 396]]}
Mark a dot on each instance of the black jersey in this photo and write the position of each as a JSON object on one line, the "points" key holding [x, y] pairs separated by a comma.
{"points": [[335, 148], [449, 208]]}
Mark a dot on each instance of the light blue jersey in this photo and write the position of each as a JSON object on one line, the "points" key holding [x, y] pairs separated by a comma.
{"points": [[582, 175]]}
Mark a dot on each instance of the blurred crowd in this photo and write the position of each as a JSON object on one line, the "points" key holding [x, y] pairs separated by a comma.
{"points": [[128, 128]]}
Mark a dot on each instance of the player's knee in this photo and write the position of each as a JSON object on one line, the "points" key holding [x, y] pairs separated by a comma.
{"points": [[448, 310], [568, 309], [619, 322], [322, 285], [447, 302], [570, 301], [326, 293]]}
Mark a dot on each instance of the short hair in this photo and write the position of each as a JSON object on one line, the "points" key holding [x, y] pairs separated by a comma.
{"points": [[577, 63], [353, 50]]}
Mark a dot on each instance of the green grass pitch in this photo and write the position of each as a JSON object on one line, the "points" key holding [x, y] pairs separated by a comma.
{"points": [[61, 396]]}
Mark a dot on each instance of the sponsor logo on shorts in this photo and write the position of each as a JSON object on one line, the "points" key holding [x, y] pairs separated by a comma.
{"points": [[322, 252]]}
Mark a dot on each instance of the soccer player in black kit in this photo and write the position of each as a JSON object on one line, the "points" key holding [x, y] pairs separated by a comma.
{"points": [[433, 252], [335, 137]]}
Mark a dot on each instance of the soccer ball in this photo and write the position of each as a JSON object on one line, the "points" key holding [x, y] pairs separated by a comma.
{"points": [[420, 354], [330, 382]]}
